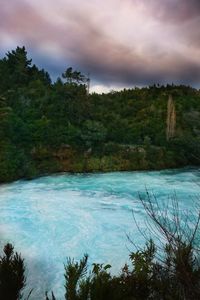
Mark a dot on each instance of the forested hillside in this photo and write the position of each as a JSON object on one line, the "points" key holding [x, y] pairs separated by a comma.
{"points": [[57, 126]]}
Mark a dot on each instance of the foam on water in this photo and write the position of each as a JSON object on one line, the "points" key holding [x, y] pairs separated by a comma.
{"points": [[53, 217]]}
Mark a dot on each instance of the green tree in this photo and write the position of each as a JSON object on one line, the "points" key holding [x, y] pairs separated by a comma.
{"points": [[12, 274], [93, 133], [74, 77]]}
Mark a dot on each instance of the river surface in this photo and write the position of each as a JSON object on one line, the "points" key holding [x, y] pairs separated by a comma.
{"points": [[51, 218]]}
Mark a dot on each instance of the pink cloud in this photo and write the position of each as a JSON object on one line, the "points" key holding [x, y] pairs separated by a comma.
{"points": [[130, 41]]}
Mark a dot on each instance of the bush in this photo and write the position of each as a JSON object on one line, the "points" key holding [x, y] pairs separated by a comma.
{"points": [[12, 277]]}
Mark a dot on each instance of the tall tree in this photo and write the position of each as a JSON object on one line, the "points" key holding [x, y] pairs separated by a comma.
{"points": [[75, 77], [171, 119]]}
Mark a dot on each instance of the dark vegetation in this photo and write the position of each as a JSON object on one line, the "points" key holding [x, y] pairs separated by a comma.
{"points": [[165, 270], [50, 127], [12, 277]]}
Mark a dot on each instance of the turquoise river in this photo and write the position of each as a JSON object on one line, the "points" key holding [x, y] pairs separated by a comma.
{"points": [[51, 218]]}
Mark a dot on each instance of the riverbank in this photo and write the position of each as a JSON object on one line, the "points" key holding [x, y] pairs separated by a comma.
{"points": [[45, 161]]}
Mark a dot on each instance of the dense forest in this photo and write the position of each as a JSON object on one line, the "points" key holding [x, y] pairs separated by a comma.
{"points": [[58, 126]]}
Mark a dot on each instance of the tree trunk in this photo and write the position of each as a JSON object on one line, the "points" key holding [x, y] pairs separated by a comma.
{"points": [[171, 119]]}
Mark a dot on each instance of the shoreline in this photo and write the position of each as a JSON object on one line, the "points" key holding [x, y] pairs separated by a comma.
{"points": [[186, 167]]}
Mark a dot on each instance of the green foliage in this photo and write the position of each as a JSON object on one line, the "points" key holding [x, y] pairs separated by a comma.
{"points": [[74, 273], [12, 162], [12, 274], [93, 133], [74, 77], [177, 276]]}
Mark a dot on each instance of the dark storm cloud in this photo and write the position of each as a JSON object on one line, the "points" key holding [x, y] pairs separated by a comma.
{"points": [[173, 10], [119, 42]]}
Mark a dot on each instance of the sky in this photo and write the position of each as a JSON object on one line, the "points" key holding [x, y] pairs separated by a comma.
{"points": [[120, 43]]}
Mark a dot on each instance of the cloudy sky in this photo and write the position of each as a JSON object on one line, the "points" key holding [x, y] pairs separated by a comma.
{"points": [[121, 43]]}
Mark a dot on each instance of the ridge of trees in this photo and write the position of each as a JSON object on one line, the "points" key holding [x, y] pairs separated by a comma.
{"points": [[57, 126]]}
